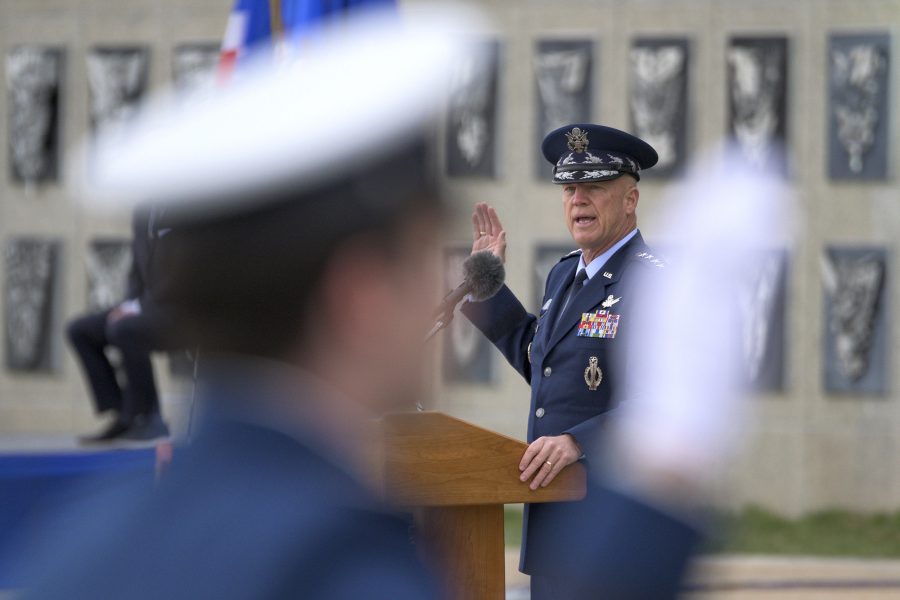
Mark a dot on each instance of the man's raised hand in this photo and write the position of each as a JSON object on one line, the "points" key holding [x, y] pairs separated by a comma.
{"points": [[487, 232]]}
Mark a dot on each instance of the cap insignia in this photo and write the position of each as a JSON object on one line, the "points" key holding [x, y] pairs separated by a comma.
{"points": [[577, 140]]}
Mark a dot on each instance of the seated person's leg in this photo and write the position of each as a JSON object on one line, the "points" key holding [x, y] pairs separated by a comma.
{"points": [[135, 336], [87, 335]]}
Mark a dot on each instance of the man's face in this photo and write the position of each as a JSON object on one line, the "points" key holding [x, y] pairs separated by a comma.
{"points": [[599, 214]]}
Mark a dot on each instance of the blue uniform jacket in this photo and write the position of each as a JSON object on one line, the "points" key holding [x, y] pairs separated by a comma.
{"points": [[553, 359]]}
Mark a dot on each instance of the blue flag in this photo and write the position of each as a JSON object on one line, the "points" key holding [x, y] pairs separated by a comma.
{"points": [[256, 24]]}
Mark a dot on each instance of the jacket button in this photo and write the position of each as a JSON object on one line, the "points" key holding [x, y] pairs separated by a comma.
{"points": [[539, 412], [547, 371]]}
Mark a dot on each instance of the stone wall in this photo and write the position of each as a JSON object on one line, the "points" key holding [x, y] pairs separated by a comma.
{"points": [[807, 448], [53, 398]]}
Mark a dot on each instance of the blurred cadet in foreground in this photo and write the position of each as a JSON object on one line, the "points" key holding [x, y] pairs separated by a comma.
{"points": [[309, 221], [135, 327]]}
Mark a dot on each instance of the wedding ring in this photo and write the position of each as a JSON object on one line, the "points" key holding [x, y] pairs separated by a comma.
{"points": [[549, 464]]}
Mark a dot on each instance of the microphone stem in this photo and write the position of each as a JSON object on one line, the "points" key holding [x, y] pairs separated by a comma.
{"points": [[434, 330], [442, 321]]}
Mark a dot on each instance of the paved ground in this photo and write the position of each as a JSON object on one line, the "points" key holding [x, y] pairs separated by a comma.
{"points": [[795, 578], [759, 578], [55, 443], [769, 578]]}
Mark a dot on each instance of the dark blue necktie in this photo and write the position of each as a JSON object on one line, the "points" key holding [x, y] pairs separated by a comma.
{"points": [[577, 285], [580, 278]]}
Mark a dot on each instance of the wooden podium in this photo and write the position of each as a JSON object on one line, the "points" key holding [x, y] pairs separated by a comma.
{"points": [[457, 477]]}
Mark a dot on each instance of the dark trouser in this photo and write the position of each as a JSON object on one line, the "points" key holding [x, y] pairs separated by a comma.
{"points": [[547, 588], [135, 337]]}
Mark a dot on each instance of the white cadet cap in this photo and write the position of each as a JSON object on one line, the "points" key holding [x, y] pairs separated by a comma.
{"points": [[354, 91]]}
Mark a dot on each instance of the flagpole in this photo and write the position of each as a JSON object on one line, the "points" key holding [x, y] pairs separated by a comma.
{"points": [[275, 20]]}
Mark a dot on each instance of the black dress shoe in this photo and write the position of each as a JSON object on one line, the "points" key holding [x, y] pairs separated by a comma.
{"points": [[145, 428], [115, 430]]}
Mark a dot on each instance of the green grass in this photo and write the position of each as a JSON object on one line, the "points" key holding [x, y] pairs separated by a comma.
{"points": [[757, 531], [512, 524], [826, 533]]}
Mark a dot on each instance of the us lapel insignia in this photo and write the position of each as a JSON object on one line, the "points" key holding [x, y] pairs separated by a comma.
{"points": [[600, 324], [607, 274], [593, 375], [541, 314], [610, 300]]}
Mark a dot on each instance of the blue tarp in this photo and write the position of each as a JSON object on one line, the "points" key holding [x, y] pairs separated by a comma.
{"points": [[32, 485]]}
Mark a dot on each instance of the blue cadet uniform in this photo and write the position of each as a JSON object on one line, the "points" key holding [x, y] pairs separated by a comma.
{"points": [[573, 352], [260, 506]]}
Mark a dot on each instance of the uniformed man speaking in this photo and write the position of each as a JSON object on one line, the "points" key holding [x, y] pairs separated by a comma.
{"points": [[573, 352]]}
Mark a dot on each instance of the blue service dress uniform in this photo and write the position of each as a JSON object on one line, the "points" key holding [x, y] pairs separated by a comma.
{"points": [[258, 507], [554, 352]]}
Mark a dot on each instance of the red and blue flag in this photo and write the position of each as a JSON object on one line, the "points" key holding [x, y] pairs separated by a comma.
{"points": [[258, 24]]}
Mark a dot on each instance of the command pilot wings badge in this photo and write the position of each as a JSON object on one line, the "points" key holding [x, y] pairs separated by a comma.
{"points": [[610, 300]]}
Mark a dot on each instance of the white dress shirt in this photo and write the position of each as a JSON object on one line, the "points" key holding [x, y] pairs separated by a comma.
{"points": [[595, 265]]}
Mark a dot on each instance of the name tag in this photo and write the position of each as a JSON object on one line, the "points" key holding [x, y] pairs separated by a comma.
{"points": [[600, 324]]}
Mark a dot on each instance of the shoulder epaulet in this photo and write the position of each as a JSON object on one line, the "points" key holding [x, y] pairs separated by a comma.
{"points": [[570, 255], [649, 259]]}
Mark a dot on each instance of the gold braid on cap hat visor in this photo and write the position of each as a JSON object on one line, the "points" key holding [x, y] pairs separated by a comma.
{"points": [[593, 163]]}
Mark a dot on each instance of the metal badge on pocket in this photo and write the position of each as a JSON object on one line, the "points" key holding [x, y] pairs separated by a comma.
{"points": [[593, 376]]}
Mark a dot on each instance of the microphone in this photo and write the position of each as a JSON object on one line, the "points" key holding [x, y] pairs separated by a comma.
{"points": [[483, 276]]}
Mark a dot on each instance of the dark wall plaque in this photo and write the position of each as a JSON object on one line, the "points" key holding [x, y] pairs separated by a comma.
{"points": [[762, 302], [29, 290], [472, 120], [467, 353], [858, 109], [658, 99], [563, 79], [117, 79], [108, 262], [194, 67], [856, 330], [33, 79], [757, 99]]}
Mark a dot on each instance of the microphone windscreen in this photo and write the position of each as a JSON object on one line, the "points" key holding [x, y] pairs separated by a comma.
{"points": [[485, 274]]}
